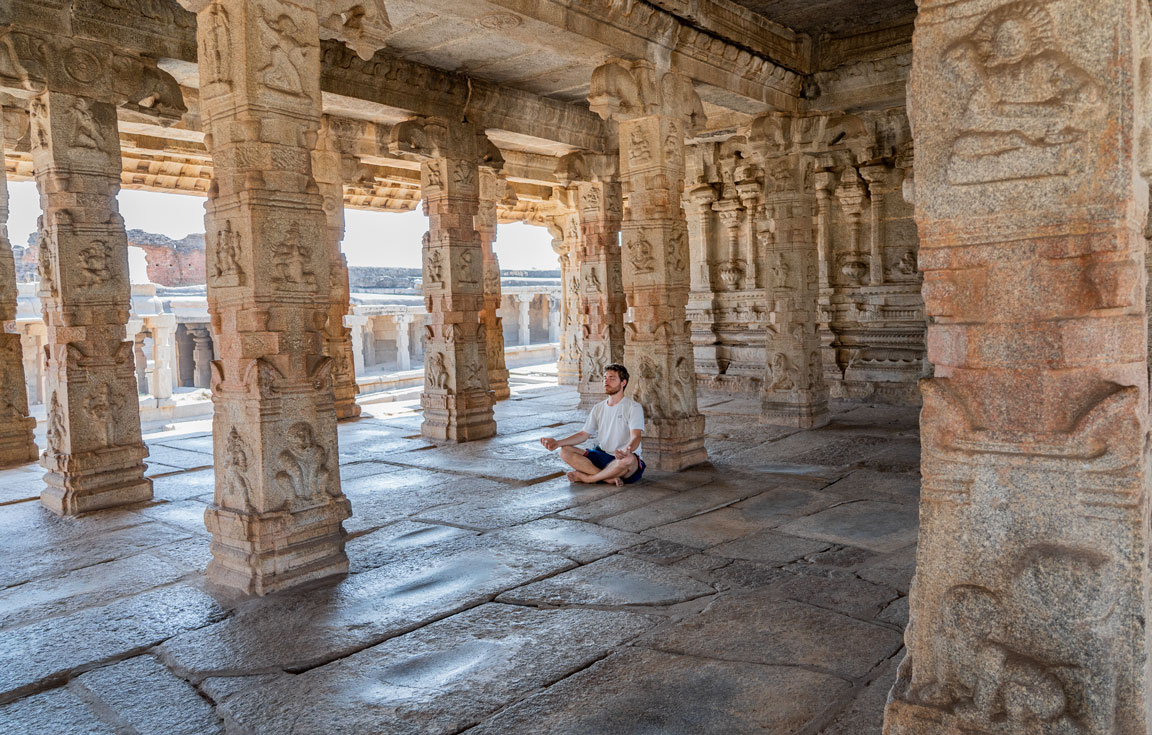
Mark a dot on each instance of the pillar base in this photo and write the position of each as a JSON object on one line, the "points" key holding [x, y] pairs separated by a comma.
{"points": [[498, 385], [671, 445], [346, 411], [73, 488], [262, 553], [779, 412], [457, 418], [17, 446]]}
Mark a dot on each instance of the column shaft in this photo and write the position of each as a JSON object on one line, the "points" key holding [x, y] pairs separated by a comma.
{"points": [[1029, 606], [95, 455], [16, 424], [602, 302], [277, 512], [492, 191]]}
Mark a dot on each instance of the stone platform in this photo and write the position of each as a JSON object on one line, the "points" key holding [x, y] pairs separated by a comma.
{"points": [[762, 593]]}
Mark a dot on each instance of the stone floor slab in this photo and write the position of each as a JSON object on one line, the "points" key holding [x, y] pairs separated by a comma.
{"points": [[877, 526], [634, 496], [439, 679], [392, 542], [864, 714], [307, 628], [32, 656], [582, 542], [509, 506], [708, 529], [769, 547], [184, 485], [759, 628], [648, 692], [169, 706], [678, 507], [616, 580], [19, 484], [59, 712]]}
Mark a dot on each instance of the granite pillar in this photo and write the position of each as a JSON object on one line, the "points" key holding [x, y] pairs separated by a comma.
{"points": [[493, 190]]}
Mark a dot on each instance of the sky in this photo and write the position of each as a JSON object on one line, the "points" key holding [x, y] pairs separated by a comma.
{"points": [[370, 238]]}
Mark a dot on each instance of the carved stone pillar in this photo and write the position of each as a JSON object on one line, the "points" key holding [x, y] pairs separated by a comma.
{"points": [[331, 166], [1029, 606], [277, 512], [524, 319], [403, 343], [732, 271], [357, 324], [825, 182], [16, 424], [457, 401], [749, 189], [202, 355], [567, 244], [163, 355], [700, 233], [553, 317], [877, 178], [794, 392], [493, 190], [602, 302], [655, 113], [95, 456]]}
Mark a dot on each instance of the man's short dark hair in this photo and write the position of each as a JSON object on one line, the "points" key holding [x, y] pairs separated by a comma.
{"points": [[620, 370]]}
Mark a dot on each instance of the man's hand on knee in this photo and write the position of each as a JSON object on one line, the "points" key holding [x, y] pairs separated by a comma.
{"points": [[549, 443]]}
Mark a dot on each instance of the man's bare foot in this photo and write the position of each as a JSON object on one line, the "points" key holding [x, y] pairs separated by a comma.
{"points": [[575, 476], [617, 481]]}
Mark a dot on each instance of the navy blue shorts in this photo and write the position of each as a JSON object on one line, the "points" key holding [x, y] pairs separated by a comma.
{"points": [[600, 458]]}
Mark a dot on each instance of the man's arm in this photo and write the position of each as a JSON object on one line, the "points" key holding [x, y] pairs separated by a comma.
{"points": [[630, 447], [550, 443]]}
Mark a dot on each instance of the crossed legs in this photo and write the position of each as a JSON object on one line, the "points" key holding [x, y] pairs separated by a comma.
{"points": [[583, 470]]}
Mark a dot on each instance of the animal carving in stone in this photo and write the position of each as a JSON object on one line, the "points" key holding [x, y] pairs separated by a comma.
{"points": [[436, 373], [290, 261], [1028, 106], [285, 55], [304, 469], [906, 266], [95, 264]]}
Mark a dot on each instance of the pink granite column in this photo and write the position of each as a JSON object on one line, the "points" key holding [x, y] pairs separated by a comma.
{"points": [[277, 512], [329, 163], [1029, 606], [16, 424], [493, 190], [94, 456], [457, 400], [655, 112]]}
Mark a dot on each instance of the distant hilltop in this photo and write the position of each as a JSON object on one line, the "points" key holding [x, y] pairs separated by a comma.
{"points": [[176, 263]]}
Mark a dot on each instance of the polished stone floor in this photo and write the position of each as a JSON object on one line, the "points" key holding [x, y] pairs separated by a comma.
{"points": [[765, 592]]}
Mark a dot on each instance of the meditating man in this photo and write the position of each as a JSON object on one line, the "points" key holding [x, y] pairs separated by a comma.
{"points": [[617, 423]]}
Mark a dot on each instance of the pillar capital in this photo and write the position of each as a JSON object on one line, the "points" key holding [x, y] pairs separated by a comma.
{"points": [[629, 90]]}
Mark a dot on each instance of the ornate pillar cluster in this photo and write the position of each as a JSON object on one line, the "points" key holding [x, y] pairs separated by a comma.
{"points": [[16, 425], [493, 191], [278, 507], [655, 112], [793, 393], [94, 456], [457, 399], [1029, 607], [332, 166], [567, 243], [601, 302]]}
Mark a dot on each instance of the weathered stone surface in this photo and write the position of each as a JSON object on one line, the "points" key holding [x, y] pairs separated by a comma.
{"points": [[511, 506], [708, 529], [616, 503], [650, 691], [677, 507], [301, 630], [843, 593], [582, 542], [387, 544], [32, 654], [616, 580], [441, 678], [168, 706], [769, 547], [779, 633], [864, 715], [874, 525], [56, 711]]}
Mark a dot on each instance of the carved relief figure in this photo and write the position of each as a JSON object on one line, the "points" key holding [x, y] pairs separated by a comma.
{"points": [[95, 264], [467, 267], [595, 358], [101, 406], [640, 254], [433, 177], [782, 374], [46, 264], [86, 134], [285, 56], [906, 266], [218, 45], [437, 371], [673, 143], [39, 110], [638, 149], [1028, 105], [228, 271], [56, 428], [434, 264], [464, 175], [815, 370], [676, 252], [290, 260], [236, 489], [594, 281], [781, 272], [304, 464]]}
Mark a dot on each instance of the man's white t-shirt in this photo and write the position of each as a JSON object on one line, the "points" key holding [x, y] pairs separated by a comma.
{"points": [[612, 426]]}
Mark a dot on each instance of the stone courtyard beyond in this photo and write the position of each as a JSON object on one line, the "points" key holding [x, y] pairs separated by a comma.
{"points": [[763, 592]]}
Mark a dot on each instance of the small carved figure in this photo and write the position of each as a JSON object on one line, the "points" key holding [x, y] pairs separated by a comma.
{"points": [[594, 281], [228, 256], [56, 427], [815, 371], [907, 265], [95, 264], [638, 146], [467, 267], [464, 175], [290, 260], [236, 489], [640, 255], [86, 134], [781, 272], [673, 143], [304, 464], [782, 376], [434, 265], [101, 406], [218, 45], [286, 57], [433, 177], [437, 372]]}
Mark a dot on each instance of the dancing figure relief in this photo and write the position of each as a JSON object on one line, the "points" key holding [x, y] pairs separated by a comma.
{"points": [[304, 469]]}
